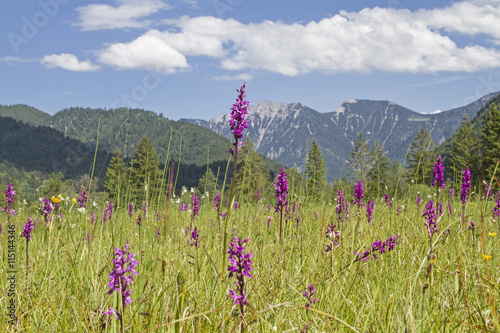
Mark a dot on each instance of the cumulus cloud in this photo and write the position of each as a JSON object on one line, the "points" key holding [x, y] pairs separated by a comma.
{"points": [[69, 62], [149, 51], [238, 77], [127, 14], [373, 39]]}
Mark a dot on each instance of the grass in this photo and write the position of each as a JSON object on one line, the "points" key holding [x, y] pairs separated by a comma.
{"points": [[66, 289]]}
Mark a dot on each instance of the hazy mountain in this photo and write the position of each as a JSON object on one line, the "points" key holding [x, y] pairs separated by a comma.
{"points": [[280, 131]]}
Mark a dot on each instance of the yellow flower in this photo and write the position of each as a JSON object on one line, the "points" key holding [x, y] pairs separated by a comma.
{"points": [[433, 261], [492, 234], [56, 199], [74, 200], [59, 197], [486, 257]]}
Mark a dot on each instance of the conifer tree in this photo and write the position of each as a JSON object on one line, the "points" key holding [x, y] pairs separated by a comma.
{"points": [[465, 151], [315, 172], [144, 171], [491, 142], [420, 157], [360, 162], [378, 175], [252, 172], [208, 183], [116, 176]]}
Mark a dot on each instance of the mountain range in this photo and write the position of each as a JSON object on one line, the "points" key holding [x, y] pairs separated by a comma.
{"points": [[283, 132]]}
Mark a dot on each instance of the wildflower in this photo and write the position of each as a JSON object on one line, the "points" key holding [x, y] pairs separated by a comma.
{"points": [[377, 246], [54, 199], [308, 295], [238, 122], [108, 212], [358, 193], [130, 209], [158, 234], [47, 210], [235, 205], [440, 208], [487, 193], [438, 180], [257, 194], [217, 200], [398, 210], [268, 222], [240, 266], [433, 261], [183, 207], [386, 199], [472, 225], [1, 232], [138, 218], [496, 209], [73, 200], [82, 200], [195, 236], [486, 257], [466, 185], [122, 274], [281, 190], [9, 199], [430, 215], [195, 206], [332, 235], [369, 210], [27, 228], [342, 208], [492, 234], [92, 217]]}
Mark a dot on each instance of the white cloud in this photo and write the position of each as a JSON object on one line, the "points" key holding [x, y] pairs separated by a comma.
{"points": [[127, 14], [17, 60], [374, 39], [238, 77], [149, 51], [69, 62]]}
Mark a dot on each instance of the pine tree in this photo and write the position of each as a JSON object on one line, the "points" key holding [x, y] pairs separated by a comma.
{"points": [[378, 175], [208, 183], [315, 172], [144, 171], [360, 162], [116, 176], [465, 151], [252, 172], [420, 157], [491, 142]]}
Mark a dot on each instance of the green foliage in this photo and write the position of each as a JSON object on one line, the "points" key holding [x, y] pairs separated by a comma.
{"points": [[25, 113], [380, 171], [420, 157], [252, 173], [52, 185], [491, 142], [208, 183], [116, 177], [315, 172], [144, 171], [465, 151], [360, 160]]}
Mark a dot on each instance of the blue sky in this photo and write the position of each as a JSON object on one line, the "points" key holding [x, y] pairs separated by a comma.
{"points": [[185, 58]]}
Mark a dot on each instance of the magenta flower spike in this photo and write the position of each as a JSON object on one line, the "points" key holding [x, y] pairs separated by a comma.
{"points": [[358, 193], [466, 185], [438, 180], [238, 122]]}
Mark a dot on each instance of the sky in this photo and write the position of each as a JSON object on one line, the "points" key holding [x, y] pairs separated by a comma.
{"points": [[186, 58]]}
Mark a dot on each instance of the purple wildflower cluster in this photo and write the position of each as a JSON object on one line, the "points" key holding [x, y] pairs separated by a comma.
{"points": [[342, 208], [398, 210], [419, 202], [388, 202], [466, 185], [122, 274], [139, 219], [369, 210], [438, 180], [27, 229], [281, 191], [257, 194], [378, 247], [240, 266], [130, 209], [217, 200], [358, 193], [496, 209], [430, 215], [450, 201], [92, 217], [238, 122], [308, 294], [195, 206], [440, 208], [108, 212], [9, 200], [332, 235], [488, 194], [183, 207], [195, 236], [293, 214], [268, 221], [82, 200], [47, 210]]}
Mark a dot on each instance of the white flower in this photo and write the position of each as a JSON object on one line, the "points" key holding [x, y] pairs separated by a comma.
{"points": [[73, 226], [24, 202], [192, 189], [81, 210]]}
